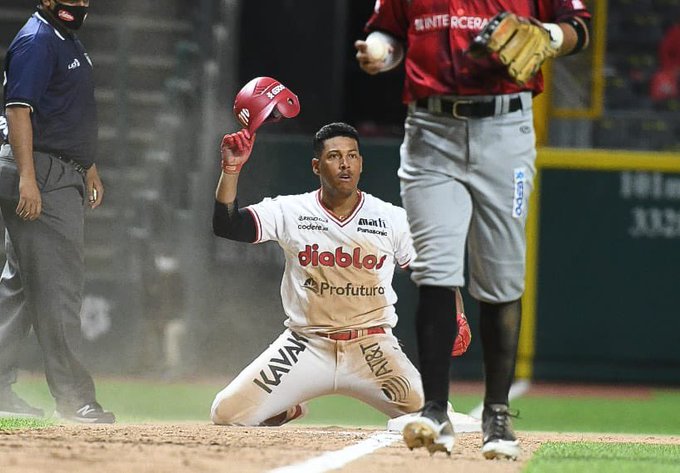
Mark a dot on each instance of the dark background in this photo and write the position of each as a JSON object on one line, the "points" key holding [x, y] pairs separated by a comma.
{"points": [[309, 46]]}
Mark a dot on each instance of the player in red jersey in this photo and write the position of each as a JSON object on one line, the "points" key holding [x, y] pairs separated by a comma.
{"points": [[467, 165]]}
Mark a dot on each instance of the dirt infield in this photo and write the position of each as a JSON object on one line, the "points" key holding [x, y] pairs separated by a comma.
{"points": [[184, 448]]}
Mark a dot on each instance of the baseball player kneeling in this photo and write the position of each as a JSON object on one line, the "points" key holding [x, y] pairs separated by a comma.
{"points": [[341, 247]]}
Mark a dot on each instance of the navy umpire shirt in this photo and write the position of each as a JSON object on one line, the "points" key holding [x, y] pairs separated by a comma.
{"points": [[47, 69]]}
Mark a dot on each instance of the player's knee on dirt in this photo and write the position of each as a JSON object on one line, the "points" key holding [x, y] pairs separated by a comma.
{"points": [[223, 412]]}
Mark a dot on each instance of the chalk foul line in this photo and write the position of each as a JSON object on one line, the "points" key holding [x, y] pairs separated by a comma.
{"points": [[333, 460]]}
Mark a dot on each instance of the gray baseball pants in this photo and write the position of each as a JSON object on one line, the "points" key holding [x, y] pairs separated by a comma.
{"points": [[466, 183], [42, 283]]}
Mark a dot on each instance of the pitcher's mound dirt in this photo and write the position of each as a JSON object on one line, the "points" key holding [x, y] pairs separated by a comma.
{"points": [[191, 448]]}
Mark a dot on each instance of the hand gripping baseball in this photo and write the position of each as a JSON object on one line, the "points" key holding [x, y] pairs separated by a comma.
{"points": [[462, 342], [235, 149], [371, 55]]}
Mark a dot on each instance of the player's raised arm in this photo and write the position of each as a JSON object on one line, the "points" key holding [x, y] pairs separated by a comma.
{"points": [[262, 100], [228, 221]]}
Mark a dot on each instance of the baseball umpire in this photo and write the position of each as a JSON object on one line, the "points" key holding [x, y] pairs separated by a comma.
{"points": [[52, 117], [341, 246], [467, 164]]}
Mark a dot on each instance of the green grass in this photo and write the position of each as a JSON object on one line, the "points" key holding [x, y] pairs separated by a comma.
{"points": [[136, 400], [581, 457], [9, 423], [341, 410], [153, 401], [657, 415], [146, 401]]}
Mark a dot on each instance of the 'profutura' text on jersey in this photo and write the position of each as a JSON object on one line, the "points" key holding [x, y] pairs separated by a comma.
{"points": [[338, 272]]}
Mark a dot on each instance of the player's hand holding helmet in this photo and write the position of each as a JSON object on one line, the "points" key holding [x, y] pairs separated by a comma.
{"points": [[236, 149], [261, 100], [521, 44]]}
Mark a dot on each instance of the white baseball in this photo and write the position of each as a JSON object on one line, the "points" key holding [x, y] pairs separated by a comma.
{"points": [[376, 49]]}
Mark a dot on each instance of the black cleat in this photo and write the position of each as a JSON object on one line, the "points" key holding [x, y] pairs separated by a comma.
{"points": [[499, 440], [12, 405], [431, 429], [90, 413]]}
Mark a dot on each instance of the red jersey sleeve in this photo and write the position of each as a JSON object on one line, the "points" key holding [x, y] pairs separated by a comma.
{"points": [[389, 16], [558, 10], [438, 34]]}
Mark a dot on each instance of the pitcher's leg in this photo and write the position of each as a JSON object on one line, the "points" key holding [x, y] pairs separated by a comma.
{"points": [[436, 328], [500, 190], [497, 249]]}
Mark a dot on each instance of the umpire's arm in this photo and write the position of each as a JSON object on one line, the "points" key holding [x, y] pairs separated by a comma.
{"points": [[21, 141]]}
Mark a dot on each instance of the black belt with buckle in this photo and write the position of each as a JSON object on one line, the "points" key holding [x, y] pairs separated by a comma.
{"points": [[76, 165], [469, 108]]}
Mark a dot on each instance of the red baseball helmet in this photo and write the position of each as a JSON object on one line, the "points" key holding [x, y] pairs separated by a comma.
{"points": [[264, 100]]}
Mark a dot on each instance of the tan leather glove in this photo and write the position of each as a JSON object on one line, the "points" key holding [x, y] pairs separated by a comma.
{"points": [[521, 44]]}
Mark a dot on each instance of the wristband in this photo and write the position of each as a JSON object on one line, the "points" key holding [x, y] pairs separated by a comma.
{"points": [[580, 25], [556, 35], [231, 168]]}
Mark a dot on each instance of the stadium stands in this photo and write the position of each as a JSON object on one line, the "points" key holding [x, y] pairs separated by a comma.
{"points": [[632, 119]]}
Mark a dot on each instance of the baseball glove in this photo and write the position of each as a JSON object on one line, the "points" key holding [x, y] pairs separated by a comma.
{"points": [[462, 342], [521, 44]]}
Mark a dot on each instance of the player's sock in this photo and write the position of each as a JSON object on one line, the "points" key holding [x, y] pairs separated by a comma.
{"points": [[436, 330], [499, 332]]}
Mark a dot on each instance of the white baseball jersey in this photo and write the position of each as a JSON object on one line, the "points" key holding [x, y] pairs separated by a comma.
{"points": [[338, 272]]}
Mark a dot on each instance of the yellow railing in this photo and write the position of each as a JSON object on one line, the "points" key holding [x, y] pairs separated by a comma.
{"points": [[588, 160], [597, 47], [543, 108]]}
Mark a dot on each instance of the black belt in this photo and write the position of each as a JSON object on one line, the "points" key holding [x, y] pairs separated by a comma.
{"points": [[76, 165], [463, 108]]}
